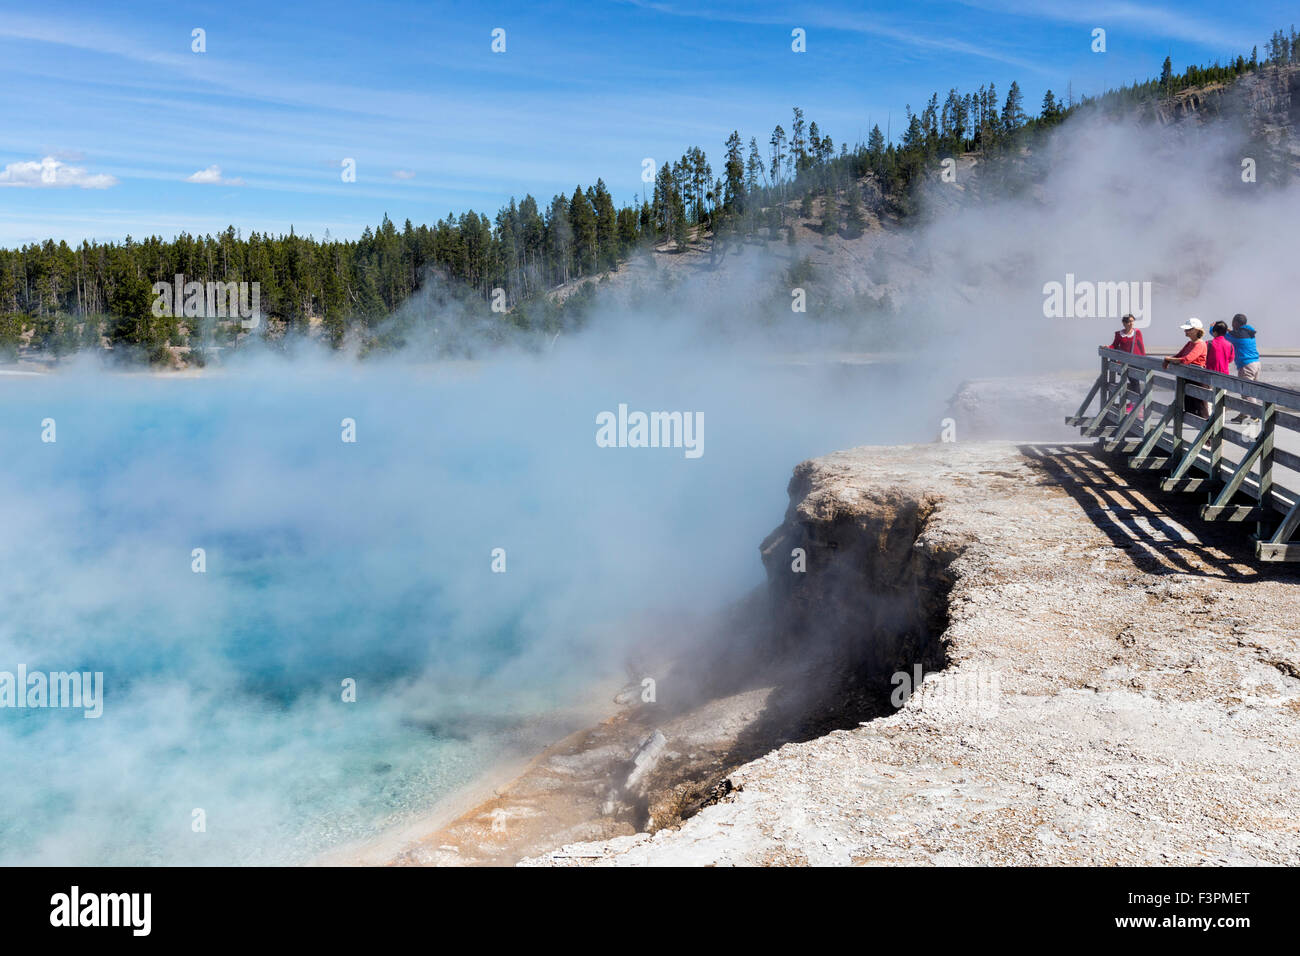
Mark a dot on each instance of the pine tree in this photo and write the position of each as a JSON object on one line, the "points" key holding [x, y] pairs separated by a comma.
{"points": [[681, 235], [131, 305], [778, 155], [855, 220], [1013, 112], [830, 216], [628, 229], [914, 137], [755, 173], [798, 145], [582, 218], [606, 226], [876, 142], [733, 200]]}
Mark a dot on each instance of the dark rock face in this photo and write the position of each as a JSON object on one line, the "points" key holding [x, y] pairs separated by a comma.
{"points": [[870, 599], [1267, 102], [1270, 97]]}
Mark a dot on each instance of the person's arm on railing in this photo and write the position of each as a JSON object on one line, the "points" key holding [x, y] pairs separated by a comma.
{"points": [[1180, 358]]}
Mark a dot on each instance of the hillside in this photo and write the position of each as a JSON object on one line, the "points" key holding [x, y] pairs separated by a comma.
{"points": [[875, 268]]}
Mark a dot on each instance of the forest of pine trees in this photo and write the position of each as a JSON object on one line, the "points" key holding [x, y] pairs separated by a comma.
{"points": [[60, 299]]}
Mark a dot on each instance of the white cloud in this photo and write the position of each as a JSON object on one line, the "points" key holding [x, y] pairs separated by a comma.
{"points": [[212, 177], [52, 173], [403, 174]]}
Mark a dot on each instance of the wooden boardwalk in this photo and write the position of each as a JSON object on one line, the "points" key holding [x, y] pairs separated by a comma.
{"points": [[1249, 471]]}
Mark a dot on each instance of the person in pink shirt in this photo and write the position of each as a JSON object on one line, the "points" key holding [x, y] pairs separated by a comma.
{"points": [[1219, 353]]}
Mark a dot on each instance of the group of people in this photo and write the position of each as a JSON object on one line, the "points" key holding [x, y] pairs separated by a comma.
{"points": [[1225, 348]]}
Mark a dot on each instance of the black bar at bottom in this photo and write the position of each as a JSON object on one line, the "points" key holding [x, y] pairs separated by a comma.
{"points": [[319, 905]]}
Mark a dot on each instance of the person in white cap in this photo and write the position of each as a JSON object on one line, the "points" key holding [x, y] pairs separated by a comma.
{"points": [[1193, 353]]}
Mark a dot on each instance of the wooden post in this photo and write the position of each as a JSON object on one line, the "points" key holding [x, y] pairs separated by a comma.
{"points": [[1146, 404], [1180, 390], [1267, 435], [1217, 416], [1105, 381]]}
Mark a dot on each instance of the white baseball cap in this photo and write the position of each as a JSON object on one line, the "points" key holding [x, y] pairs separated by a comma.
{"points": [[1193, 324]]}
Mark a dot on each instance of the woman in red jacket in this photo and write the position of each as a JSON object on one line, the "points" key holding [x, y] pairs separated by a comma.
{"points": [[1129, 339]]}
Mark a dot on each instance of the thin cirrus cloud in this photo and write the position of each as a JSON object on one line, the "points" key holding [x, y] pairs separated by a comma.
{"points": [[1177, 24], [403, 174], [212, 177], [51, 173], [847, 21]]}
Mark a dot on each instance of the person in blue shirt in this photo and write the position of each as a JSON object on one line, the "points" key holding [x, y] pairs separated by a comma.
{"points": [[1242, 339]]}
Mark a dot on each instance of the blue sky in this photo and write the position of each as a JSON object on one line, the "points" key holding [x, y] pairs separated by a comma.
{"points": [[109, 101]]}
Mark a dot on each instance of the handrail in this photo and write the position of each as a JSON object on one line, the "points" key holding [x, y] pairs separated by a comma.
{"points": [[1289, 397]]}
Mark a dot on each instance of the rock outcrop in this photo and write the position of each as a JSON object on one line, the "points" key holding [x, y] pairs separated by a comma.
{"points": [[846, 575]]}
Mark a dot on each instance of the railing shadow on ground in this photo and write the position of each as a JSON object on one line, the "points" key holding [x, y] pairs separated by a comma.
{"points": [[1162, 532]]}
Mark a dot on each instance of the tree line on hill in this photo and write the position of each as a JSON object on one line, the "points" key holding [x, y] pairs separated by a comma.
{"points": [[61, 299]]}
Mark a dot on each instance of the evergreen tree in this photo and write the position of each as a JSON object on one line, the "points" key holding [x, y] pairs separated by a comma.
{"points": [[914, 137], [855, 219], [754, 171], [1051, 109], [606, 226], [733, 193], [582, 219], [798, 145], [1013, 112], [876, 142], [830, 216], [778, 155], [131, 305]]}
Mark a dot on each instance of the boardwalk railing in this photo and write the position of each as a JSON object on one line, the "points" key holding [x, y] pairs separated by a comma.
{"points": [[1250, 470]]}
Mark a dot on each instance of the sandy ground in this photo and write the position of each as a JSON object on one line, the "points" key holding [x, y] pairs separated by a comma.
{"points": [[1123, 687]]}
